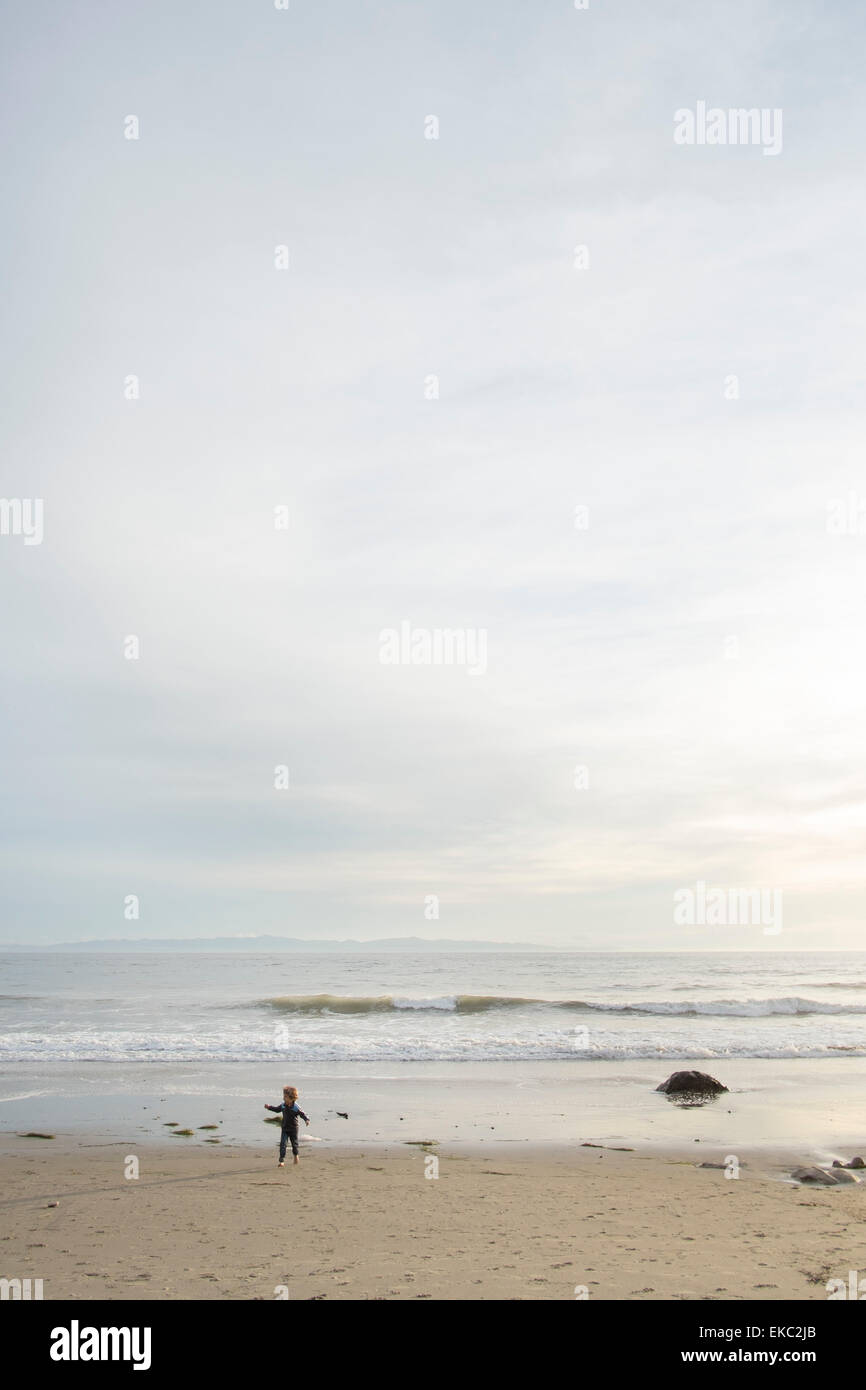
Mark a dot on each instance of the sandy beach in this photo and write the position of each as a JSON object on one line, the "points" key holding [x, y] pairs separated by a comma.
{"points": [[211, 1222], [445, 1159]]}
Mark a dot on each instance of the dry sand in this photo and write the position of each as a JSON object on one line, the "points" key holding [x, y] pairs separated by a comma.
{"points": [[224, 1222]]}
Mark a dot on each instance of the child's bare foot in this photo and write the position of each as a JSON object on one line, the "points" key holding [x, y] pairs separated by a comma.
{"points": [[295, 1160], [281, 1164]]}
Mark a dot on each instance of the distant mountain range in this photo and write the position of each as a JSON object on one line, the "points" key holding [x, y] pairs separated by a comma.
{"points": [[278, 943]]}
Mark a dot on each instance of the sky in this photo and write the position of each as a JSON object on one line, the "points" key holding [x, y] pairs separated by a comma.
{"points": [[416, 317]]}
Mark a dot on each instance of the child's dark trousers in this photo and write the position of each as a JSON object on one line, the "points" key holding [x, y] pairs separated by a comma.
{"points": [[289, 1135]]}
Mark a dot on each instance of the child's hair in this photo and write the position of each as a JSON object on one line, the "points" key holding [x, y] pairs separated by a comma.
{"points": [[291, 1092]]}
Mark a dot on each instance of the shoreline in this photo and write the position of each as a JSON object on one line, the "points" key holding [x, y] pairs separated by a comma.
{"points": [[810, 1110]]}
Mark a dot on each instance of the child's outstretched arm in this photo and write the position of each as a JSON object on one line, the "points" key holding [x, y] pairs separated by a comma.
{"points": [[277, 1108], [303, 1116]]}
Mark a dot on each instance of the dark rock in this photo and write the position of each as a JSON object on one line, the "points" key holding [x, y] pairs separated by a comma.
{"points": [[694, 1082], [857, 1162]]}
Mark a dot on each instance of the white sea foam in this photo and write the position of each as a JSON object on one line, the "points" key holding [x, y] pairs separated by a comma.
{"points": [[546, 1045], [447, 1002]]}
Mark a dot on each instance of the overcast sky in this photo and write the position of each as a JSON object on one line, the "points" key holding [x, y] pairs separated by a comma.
{"points": [[693, 378]]}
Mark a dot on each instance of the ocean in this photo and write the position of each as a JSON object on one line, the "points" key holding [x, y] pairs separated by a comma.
{"points": [[510, 1047], [426, 1007]]}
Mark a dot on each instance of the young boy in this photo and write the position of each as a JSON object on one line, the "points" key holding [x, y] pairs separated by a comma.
{"points": [[290, 1110]]}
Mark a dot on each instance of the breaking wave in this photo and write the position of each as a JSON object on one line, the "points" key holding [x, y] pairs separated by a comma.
{"points": [[387, 1003], [484, 1003]]}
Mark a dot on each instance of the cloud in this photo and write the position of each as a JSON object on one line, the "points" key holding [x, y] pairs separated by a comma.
{"points": [[694, 647]]}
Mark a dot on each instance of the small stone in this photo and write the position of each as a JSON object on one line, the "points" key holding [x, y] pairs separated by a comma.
{"points": [[841, 1175], [820, 1176]]}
